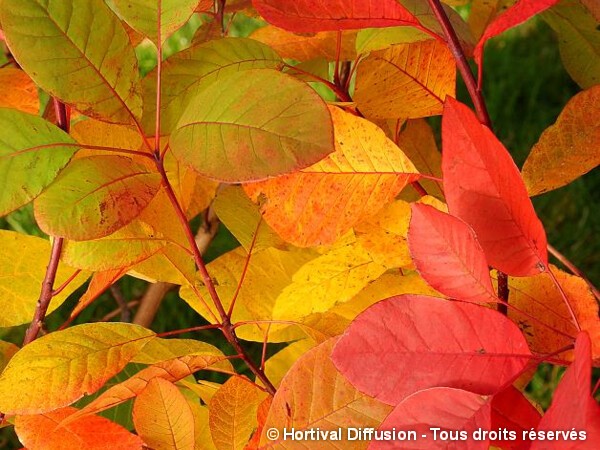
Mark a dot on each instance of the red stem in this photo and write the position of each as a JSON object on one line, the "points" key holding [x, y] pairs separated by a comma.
{"points": [[188, 330], [59, 289], [226, 326]]}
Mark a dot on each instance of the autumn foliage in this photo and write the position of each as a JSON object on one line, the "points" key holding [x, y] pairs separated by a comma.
{"points": [[408, 287]]}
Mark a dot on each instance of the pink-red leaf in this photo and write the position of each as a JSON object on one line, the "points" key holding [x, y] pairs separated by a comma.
{"points": [[484, 188], [412, 342], [573, 407], [459, 413], [517, 14], [447, 255], [303, 16]]}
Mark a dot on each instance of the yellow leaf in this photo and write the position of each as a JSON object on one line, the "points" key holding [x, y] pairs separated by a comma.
{"points": [[163, 418], [243, 219], [171, 264], [405, 81], [319, 204], [18, 91], [103, 134], [203, 439], [203, 389], [554, 329], [61, 367], [279, 364], [268, 273], [7, 351], [160, 350], [330, 279], [232, 413], [567, 149], [306, 46], [483, 12], [315, 395], [23, 261]]}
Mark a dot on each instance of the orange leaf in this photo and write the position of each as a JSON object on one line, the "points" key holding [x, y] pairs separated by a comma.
{"points": [[484, 188], [100, 282], [18, 91], [232, 413], [319, 204], [163, 418], [405, 81], [89, 433]]}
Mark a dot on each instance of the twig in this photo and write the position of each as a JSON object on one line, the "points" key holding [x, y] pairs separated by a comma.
{"points": [[130, 305], [118, 296]]}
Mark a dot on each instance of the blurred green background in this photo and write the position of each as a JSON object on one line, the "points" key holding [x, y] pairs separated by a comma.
{"points": [[525, 87]]}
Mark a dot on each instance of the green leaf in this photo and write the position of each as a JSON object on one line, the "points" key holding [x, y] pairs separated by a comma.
{"points": [[579, 41], [252, 125], [146, 16], [32, 152], [61, 367], [95, 196], [78, 51], [185, 73], [23, 261]]}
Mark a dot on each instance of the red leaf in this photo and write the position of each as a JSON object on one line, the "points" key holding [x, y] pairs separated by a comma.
{"points": [[484, 188], [517, 14], [412, 342], [447, 255], [459, 413], [303, 16], [512, 411], [573, 407]]}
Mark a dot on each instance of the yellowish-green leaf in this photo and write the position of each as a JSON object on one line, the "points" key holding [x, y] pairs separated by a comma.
{"points": [[203, 439], [87, 201], [23, 261], [244, 220], [146, 16], [405, 81], [63, 46], [268, 273], [569, 148], [61, 367], [315, 395], [330, 279], [163, 417], [232, 413], [264, 123], [18, 91], [307, 46], [186, 73], [7, 351], [29, 142], [578, 39], [321, 203]]}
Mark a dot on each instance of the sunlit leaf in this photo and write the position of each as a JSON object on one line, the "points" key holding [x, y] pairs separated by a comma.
{"points": [[91, 432], [163, 418], [29, 142], [483, 187], [512, 411], [23, 262], [61, 367], [321, 203], [277, 366], [87, 201], [407, 343], [405, 81], [68, 55], [7, 351]]}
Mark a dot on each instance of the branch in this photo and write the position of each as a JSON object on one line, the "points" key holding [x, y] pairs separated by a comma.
{"points": [[226, 325]]}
